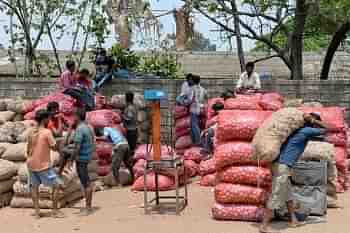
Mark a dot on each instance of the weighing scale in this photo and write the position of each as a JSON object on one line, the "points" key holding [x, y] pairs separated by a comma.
{"points": [[156, 164]]}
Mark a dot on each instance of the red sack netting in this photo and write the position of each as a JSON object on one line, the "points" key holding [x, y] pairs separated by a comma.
{"points": [[192, 169], [248, 175], [100, 101], [165, 183], [183, 142], [211, 102], [337, 139], [240, 125], [208, 180], [194, 154], [333, 116], [272, 102], [104, 149], [139, 168], [54, 97], [103, 118], [341, 158], [211, 122], [182, 132], [103, 170], [248, 213], [66, 107], [239, 194], [207, 167], [104, 161], [180, 112], [182, 123], [242, 104], [141, 152], [234, 153]]}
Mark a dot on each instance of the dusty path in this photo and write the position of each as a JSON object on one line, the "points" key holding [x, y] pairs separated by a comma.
{"points": [[119, 211]]}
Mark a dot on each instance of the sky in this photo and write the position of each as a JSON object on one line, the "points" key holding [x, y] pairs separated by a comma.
{"points": [[168, 26]]}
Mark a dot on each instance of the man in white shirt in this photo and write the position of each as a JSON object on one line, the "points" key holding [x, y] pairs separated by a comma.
{"points": [[249, 79], [184, 98], [199, 97]]}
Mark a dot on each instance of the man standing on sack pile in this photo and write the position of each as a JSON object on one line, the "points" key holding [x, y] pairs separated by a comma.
{"points": [[199, 98], [290, 153]]}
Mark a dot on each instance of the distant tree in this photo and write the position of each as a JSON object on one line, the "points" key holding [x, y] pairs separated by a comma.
{"points": [[198, 43]]}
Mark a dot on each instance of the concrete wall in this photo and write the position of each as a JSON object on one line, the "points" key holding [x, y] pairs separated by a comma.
{"points": [[226, 64], [330, 93]]}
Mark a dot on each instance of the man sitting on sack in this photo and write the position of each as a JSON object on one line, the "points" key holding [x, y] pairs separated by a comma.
{"points": [[249, 79], [290, 153]]}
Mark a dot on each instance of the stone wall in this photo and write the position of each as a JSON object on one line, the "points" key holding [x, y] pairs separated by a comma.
{"points": [[330, 93]]}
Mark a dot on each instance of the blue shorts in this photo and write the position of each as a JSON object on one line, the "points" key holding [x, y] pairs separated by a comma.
{"points": [[47, 178]]}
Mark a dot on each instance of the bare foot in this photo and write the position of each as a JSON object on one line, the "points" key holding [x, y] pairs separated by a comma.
{"points": [[36, 215], [267, 230], [57, 214], [86, 211], [296, 224]]}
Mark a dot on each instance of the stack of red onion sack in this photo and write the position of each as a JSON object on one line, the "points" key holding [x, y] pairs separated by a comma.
{"points": [[335, 118], [182, 129], [166, 180], [241, 185], [67, 106]]}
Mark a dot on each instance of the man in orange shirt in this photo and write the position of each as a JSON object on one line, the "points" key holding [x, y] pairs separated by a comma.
{"points": [[40, 143], [56, 121]]}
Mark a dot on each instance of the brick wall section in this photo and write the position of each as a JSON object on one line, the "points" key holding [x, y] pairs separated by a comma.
{"points": [[330, 93]]}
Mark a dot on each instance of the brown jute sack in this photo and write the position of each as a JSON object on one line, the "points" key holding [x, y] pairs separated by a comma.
{"points": [[15, 152], [6, 116], [3, 147], [26, 202], [274, 132], [6, 185], [318, 151], [293, 103], [5, 199], [7, 169]]}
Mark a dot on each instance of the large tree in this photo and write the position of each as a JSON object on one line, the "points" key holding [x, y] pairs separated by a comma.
{"points": [[198, 42], [263, 21]]}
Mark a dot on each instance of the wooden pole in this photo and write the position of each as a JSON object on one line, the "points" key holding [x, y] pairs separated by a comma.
{"points": [[156, 130]]}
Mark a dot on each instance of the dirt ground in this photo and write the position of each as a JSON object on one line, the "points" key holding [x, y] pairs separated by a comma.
{"points": [[121, 211]]}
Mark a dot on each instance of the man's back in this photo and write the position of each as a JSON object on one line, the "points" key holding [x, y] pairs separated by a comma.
{"points": [[39, 147], [84, 137], [199, 95], [295, 145], [114, 135], [67, 80], [130, 117]]}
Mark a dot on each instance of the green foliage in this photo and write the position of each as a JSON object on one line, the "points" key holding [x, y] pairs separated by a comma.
{"points": [[125, 58], [159, 64]]}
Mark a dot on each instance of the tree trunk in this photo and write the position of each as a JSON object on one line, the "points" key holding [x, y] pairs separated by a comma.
{"points": [[240, 51], [181, 39], [58, 63], [123, 25], [338, 37], [297, 40]]}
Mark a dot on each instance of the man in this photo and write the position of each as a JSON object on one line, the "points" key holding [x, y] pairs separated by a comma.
{"points": [[198, 96], [83, 79], [84, 144], [290, 152], [121, 151], [249, 79], [208, 134], [56, 120], [184, 98], [68, 79], [101, 64], [130, 121], [40, 142]]}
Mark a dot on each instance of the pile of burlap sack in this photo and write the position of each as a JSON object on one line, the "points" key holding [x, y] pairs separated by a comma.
{"points": [[8, 171], [22, 195], [143, 119]]}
